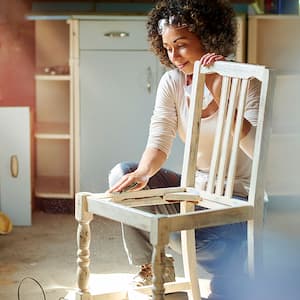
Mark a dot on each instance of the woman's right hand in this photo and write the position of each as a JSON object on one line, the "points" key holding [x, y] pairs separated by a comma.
{"points": [[130, 182], [151, 161]]}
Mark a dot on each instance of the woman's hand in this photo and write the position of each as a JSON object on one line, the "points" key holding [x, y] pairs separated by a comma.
{"points": [[213, 81], [209, 58], [130, 182], [151, 161]]}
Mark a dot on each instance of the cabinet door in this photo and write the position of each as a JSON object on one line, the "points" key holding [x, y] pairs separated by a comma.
{"points": [[117, 93], [15, 181]]}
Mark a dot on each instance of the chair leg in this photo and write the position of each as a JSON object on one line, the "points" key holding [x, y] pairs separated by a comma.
{"points": [[158, 269], [83, 242], [189, 256], [255, 247]]}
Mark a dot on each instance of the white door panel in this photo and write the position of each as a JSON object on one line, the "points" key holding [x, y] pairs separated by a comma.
{"points": [[15, 181]]}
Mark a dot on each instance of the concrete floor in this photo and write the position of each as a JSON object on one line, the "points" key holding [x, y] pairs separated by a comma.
{"points": [[46, 252]]}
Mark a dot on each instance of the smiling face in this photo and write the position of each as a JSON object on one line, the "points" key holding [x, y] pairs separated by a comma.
{"points": [[183, 48]]}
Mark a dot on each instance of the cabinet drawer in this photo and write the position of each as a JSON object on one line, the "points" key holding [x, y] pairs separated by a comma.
{"points": [[110, 35]]}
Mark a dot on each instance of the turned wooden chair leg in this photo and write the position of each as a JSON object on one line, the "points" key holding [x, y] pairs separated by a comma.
{"points": [[83, 243]]}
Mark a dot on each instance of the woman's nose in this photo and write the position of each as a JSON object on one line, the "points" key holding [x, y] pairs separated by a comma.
{"points": [[174, 54]]}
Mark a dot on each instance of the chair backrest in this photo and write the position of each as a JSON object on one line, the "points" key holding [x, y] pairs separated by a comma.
{"points": [[236, 78]]}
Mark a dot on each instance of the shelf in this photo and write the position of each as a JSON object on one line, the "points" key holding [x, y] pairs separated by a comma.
{"points": [[269, 36], [52, 187], [54, 140], [275, 17], [47, 130], [52, 77]]}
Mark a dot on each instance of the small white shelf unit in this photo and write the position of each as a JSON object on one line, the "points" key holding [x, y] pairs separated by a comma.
{"points": [[54, 137]]}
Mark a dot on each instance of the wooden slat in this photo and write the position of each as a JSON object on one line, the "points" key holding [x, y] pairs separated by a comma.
{"points": [[182, 196], [227, 136], [139, 202], [117, 197], [236, 138], [226, 83], [221, 200]]}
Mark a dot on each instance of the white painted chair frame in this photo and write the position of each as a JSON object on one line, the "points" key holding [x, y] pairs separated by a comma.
{"points": [[222, 208]]}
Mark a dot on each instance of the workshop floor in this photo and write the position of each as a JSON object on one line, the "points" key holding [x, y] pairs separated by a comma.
{"points": [[42, 257]]}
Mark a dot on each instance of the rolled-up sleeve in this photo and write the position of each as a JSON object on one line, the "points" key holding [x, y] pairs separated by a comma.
{"points": [[251, 114], [252, 103]]}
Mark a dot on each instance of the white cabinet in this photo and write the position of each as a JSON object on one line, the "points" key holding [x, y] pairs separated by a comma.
{"points": [[118, 78], [54, 111], [15, 171], [273, 41]]}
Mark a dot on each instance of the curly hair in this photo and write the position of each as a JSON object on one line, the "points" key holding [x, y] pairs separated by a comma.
{"points": [[211, 20]]}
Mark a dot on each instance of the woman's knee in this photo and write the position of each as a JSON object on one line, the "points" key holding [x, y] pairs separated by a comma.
{"points": [[217, 252], [120, 170]]}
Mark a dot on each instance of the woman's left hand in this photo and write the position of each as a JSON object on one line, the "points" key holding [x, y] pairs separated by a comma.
{"points": [[209, 58], [213, 81]]}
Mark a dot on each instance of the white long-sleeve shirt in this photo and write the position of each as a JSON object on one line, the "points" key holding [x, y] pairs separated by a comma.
{"points": [[170, 116]]}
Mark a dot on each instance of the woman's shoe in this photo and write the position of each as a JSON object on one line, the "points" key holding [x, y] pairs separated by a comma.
{"points": [[144, 276]]}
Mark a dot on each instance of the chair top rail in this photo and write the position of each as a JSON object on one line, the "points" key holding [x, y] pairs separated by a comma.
{"points": [[234, 69]]}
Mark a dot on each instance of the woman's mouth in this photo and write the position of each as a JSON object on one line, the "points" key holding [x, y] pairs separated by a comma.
{"points": [[181, 66]]}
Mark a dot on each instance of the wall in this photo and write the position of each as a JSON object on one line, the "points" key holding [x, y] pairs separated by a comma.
{"points": [[17, 43], [16, 54]]}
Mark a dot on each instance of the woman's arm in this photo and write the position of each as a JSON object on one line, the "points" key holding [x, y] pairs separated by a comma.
{"points": [[151, 161]]}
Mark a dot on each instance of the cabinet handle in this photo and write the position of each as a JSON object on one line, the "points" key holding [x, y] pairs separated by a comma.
{"points": [[149, 80], [14, 166], [116, 34]]}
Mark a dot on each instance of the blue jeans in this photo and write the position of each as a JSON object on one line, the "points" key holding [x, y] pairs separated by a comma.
{"points": [[221, 250]]}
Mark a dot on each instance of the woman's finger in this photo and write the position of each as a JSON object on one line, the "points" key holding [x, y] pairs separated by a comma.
{"points": [[123, 182], [209, 58]]}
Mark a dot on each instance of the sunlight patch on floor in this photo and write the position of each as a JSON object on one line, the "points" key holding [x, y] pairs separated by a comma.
{"points": [[119, 284]]}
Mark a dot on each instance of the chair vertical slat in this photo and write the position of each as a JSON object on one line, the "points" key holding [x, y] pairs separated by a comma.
{"points": [[236, 138], [226, 82], [193, 129], [227, 136]]}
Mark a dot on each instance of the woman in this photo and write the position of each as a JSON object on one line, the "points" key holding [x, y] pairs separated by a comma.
{"points": [[181, 32]]}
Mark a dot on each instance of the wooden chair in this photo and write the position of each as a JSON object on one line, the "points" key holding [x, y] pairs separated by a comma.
{"points": [[217, 197]]}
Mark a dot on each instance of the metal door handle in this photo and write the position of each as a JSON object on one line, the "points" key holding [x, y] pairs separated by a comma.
{"points": [[117, 34], [149, 80], [14, 166]]}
